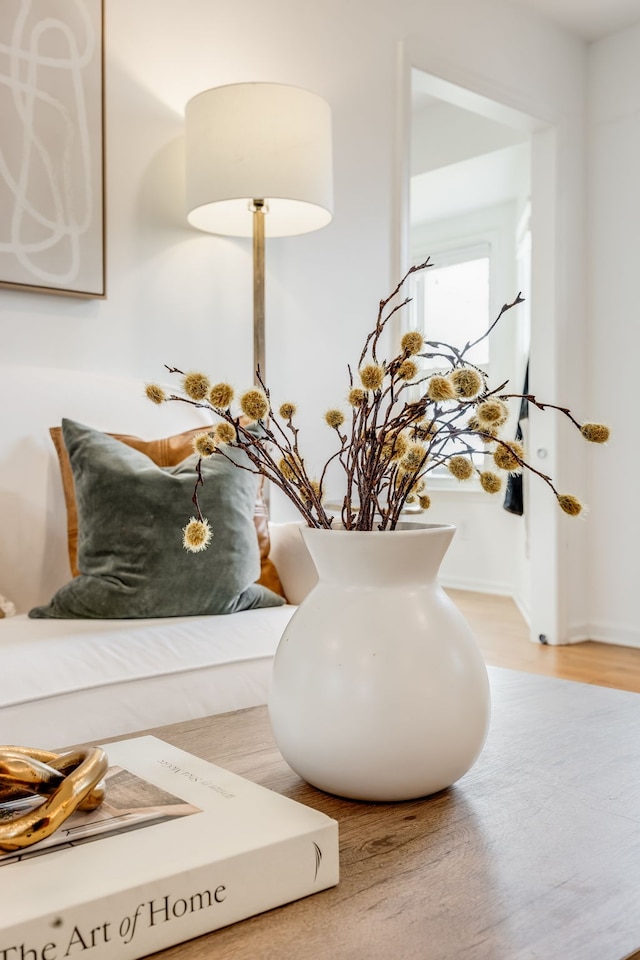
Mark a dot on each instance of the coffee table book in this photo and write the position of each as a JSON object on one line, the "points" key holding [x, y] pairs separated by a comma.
{"points": [[180, 847]]}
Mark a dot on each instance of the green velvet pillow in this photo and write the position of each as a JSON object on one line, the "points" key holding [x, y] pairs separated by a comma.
{"points": [[130, 517]]}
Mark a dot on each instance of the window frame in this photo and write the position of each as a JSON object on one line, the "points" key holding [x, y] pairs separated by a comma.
{"points": [[462, 250]]}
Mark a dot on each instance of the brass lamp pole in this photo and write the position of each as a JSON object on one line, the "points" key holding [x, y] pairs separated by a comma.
{"points": [[259, 212]]}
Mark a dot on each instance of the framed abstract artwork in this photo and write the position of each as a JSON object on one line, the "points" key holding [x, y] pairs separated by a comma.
{"points": [[52, 203]]}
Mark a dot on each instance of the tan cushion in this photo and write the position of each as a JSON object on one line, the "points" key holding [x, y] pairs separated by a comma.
{"points": [[166, 452]]}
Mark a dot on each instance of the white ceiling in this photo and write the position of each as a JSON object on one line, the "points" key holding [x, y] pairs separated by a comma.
{"points": [[460, 188], [589, 19]]}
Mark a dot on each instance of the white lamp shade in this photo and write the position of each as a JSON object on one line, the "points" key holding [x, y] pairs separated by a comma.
{"points": [[266, 141]]}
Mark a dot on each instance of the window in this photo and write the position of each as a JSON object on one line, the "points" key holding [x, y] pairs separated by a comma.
{"points": [[451, 304]]}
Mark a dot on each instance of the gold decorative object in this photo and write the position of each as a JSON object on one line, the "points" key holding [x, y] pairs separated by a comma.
{"points": [[69, 781]]}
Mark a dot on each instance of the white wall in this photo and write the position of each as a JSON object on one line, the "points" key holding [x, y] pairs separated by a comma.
{"points": [[179, 297], [614, 334]]}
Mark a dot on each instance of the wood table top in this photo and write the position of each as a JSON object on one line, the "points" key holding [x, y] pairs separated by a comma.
{"points": [[535, 853]]}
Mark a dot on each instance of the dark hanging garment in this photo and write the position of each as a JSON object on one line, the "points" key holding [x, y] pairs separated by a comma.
{"points": [[514, 498]]}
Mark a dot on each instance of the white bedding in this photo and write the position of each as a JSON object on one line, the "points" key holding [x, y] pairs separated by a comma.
{"points": [[65, 681]]}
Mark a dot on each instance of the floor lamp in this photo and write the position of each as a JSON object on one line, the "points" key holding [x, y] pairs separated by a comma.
{"points": [[258, 163]]}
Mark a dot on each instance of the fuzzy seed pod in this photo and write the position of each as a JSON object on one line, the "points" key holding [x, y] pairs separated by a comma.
{"points": [[196, 386], [595, 432], [492, 413], [508, 455], [460, 467], [372, 376], [395, 447], [314, 493], [487, 431], [287, 410], [412, 342], [225, 432], [357, 397], [197, 535], [287, 470], [490, 482], [220, 396], [408, 370], [155, 393], [254, 404], [440, 388], [413, 459], [570, 504], [467, 382], [334, 418], [424, 501], [204, 444]]}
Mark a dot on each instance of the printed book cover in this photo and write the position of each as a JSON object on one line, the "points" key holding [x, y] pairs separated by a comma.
{"points": [[179, 848]]}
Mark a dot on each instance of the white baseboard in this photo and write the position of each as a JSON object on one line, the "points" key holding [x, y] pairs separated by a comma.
{"points": [[523, 608], [615, 633], [476, 586], [577, 633]]}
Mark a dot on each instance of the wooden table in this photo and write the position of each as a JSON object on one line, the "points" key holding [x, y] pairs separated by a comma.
{"points": [[535, 853]]}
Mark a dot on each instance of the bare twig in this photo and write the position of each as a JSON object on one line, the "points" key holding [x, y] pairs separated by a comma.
{"points": [[393, 443]]}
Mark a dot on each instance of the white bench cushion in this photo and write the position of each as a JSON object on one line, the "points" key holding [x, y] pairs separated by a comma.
{"points": [[65, 681]]}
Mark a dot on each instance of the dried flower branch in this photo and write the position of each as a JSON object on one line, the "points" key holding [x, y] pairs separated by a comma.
{"points": [[388, 444]]}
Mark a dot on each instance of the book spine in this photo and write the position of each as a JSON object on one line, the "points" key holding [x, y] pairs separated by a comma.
{"points": [[159, 914]]}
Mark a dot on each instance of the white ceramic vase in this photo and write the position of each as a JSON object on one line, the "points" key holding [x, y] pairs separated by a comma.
{"points": [[379, 690]]}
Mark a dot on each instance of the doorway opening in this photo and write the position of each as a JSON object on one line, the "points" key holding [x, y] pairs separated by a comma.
{"points": [[470, 210]]}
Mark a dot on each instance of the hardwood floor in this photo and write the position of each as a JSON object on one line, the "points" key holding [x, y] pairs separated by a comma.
{"points": [[503, 637]]}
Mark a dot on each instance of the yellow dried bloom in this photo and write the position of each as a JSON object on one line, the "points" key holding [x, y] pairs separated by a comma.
{"points": [[372, 376], [412, 343], [315, 487], [254, 404], [570, 504], [508, 456], [460, 467], [440, 388], [220, 396], [467, 382], [287, 470], [424, 501], [225, 432], [204, 444], [413, 458], [357, 397], [410, 498], [334, 418], [196, 386], [395, 447], [595, 432], [197, 535], [490, 482], [492, 413], [408, 369], [155, 393], [287, 410], [488, 430]]}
